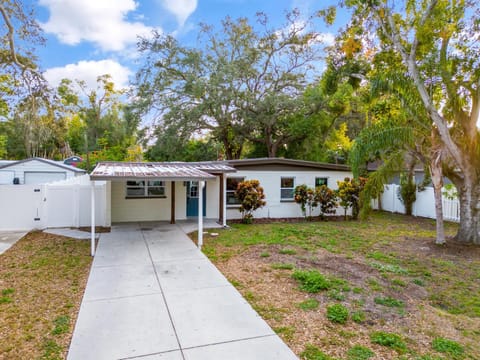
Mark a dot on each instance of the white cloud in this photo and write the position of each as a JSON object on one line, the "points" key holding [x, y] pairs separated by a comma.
{"points": [[103, 22], [88, 71], [182, 9], [327, 39]]}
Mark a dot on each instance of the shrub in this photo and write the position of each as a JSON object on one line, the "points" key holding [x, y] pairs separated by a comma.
{"points": [[251, 197], [390, 340], [448, 346], [305, 197], [337, 313], [265, 254], [359, 352], [311, 281], [408, 192], [309, 304], [326, 199], [349, 194]]}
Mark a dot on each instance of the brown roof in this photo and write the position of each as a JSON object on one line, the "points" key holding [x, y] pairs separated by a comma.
{"points": [[291, 162], [164, 171]]}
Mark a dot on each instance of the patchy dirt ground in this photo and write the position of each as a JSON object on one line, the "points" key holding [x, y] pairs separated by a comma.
{"points": [[42, 280], [432, 291]]}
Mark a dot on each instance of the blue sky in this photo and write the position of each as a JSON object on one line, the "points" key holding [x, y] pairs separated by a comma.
{"points": [[88, 38]]}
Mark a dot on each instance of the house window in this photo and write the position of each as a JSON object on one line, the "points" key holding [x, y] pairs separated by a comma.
{"points": [[232, 184], [319, 181], [145, 188], [287, 187]]}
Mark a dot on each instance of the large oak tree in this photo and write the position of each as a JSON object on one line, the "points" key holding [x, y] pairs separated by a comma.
{"points": [[241, 83]]}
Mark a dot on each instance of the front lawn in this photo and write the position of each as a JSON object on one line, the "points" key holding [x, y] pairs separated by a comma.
{"points": [[376, 289], [42, 280]]}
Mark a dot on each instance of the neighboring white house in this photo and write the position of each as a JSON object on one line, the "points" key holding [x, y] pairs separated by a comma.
{"points": [[36, 171], [170, 191]]}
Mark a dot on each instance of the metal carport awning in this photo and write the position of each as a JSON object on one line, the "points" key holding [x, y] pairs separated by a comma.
{"points": [[123, 171]]}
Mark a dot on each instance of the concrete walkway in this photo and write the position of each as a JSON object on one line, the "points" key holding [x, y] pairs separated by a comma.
{"points": [[152, 294], [8, 238]]}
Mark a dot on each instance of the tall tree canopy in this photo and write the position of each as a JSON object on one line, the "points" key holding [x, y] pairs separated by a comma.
{"points": [[435, 43], [20, 34], [242, 83]]}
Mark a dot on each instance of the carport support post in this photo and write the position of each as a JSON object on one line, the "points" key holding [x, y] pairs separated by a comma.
{"points": [[92, 218], [224, 205], [201, 184]]}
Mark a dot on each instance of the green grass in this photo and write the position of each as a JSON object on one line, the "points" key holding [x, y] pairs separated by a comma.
{"points": [[6, 298], [450, 347], [358, 316], [359, 352], [389, 268], [285, 332], [312, 281], [387, 244], [389, 301], [43, 277], [287, 251], [390, 340], [337, 313], [62, 325], [311, 352], [309, 304], [282, 266]]}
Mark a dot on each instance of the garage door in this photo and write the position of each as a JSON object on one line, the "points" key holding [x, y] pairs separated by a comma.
{"points": [[43, 177], [6, 177]]}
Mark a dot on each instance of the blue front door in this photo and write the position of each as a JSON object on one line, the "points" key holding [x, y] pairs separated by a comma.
{"points": [[192, 198]]}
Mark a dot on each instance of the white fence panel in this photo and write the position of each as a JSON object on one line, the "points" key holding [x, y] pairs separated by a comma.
{"points": [[85, 205], [451, 209], [22, 207], [59, 204], [424, 206]]}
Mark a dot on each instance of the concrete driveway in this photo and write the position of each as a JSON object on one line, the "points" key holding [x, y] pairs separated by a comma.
{"points": [[152, 294], [8, 238]]}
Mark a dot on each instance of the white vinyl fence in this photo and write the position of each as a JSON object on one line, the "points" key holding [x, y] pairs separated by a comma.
{"points": [[424, 205], [58, 204]]}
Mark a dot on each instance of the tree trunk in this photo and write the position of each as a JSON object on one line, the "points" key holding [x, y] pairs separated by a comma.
{"points": [[437, 191], [469, 228], [436, 172]]}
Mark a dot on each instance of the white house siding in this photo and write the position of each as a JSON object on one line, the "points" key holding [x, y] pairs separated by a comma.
{"points": [[37, 167], [270, 181], [155, 209]]}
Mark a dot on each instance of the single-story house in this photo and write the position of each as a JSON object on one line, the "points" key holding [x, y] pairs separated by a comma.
{"points": [[178, 191], [36, 171], [170, 191]]}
